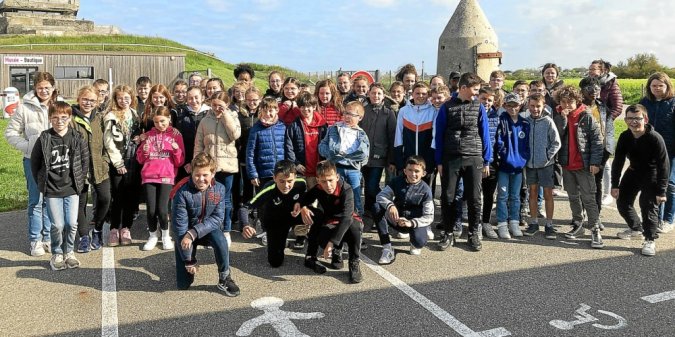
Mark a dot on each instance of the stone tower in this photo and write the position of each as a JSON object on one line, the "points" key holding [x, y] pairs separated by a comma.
{"points": [[468, 43]]}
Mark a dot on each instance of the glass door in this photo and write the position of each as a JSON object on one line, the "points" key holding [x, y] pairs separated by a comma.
{"points": [[22, 78]]}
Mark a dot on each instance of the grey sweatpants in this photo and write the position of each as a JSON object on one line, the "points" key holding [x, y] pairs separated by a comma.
{"points": [[580, 187]]}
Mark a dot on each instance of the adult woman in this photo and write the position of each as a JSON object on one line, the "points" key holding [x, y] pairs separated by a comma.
{"points": [[610, 94], [275, 79], [89, 124], [23, 130], [660, 104], [550, 74]]}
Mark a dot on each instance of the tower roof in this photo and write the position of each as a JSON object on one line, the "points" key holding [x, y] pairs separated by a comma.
{"points": [[469, 20]]}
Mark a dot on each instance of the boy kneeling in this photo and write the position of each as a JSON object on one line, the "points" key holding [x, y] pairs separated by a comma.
{"points": [[278, 199], [198, 210], [334, 222], [406, 204]]}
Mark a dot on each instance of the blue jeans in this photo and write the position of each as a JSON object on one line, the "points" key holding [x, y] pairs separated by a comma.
{"points": [[667, 210], [508, 196], [63, 215], [371, 182], [353, 178], [226, 179], [38, 220], [217, 241]]}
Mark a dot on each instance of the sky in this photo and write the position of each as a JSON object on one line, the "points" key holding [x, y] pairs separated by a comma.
{"points": [[324, 35]]}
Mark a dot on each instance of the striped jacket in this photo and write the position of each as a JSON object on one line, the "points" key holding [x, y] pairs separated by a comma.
{"points": [[414, 133]]}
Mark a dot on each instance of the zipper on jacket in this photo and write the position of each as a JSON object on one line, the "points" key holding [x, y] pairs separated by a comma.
{"points": [[201, 216]]}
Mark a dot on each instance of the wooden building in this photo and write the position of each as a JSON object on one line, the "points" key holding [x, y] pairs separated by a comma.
{"points": [[74, 69]]}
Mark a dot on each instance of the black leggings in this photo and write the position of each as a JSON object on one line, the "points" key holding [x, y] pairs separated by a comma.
{"points": [[157, 200], [124, 192], [101, 204]]}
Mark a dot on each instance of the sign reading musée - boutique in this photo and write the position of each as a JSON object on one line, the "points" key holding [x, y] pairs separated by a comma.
{"points": [[23, 60]]}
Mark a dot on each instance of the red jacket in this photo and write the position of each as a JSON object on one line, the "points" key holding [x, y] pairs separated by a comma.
{"points": [[288, 115], [330, 114]]}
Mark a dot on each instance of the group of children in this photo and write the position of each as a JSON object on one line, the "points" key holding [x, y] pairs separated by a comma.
{"points": [[298, 161]]}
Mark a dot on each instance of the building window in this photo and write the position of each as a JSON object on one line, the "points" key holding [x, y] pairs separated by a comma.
{"points": [[73, 73]]}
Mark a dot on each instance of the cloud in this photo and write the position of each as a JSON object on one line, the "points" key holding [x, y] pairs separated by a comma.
{"points": [[380, 3], [218, 5]]}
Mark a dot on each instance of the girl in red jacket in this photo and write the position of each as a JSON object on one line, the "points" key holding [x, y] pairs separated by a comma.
{"points": [[330, 101], [288, 108], [161, 153]]}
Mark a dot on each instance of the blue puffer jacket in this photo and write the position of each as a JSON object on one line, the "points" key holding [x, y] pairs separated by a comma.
{"points": [[511, 146], [662, 117], [264, 149]]}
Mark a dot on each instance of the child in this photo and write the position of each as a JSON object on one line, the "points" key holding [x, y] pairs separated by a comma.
{"points": [[647, 174], [439, 95], [397, 93], [143, 85], [196, 217], [161, 154], [213, 85], [330, 103], [496, 82], [462, 149], [265, 143], [216, 135], [120, 135], [334, 222], [406, 204], [344, 84], [288, 108], [486, 96], [277, 199], [304, 87], [580, 156], [102, 87], [238, 92], [60, 163], [359, 91], [179, 92], [522, 89], [414, 129], [379, 123], [195, 79], [187, 122], [347, 145], [436, 81], [241, 185], [244, 73], [407, 75], [275, 79], [544, 143], [511, 155], [159, 95]]}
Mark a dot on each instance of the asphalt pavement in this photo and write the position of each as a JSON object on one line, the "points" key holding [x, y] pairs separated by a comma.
{"points": [[519, 287]]}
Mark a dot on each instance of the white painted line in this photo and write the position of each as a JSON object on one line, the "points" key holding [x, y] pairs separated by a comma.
{"points": [[109, 321], [430, 306], [656, 298]]}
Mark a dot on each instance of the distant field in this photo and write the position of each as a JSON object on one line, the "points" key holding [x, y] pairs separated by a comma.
{"points": [[631, 89]]}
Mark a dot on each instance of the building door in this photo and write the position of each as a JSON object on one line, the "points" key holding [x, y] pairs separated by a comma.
{"points": [[22, 78]]}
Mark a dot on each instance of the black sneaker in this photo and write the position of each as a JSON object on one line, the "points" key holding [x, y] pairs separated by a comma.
{"points": [[474, 242], [336, 261], [576, 231], [299, 243], [550, 233], [314, 265], [229, 287], [531, 230], [457, 230], [446, 241], [355, 275]]}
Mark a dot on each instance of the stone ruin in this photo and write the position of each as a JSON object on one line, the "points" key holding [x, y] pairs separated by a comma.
{"points": [[47, 17]]}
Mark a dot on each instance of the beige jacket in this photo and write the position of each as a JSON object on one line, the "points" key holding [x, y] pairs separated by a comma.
{"points": [[216, 137]]}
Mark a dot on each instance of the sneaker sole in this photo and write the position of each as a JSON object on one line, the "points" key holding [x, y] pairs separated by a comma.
{"points": [[73, 267], [227, 292], [648, 254], [56, 268], [529, 233], [598, 246]]}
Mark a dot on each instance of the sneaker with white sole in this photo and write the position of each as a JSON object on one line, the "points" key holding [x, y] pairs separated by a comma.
{"points": [[629, 234], [607, 199], [57, 262], [514, 228], [71, 261], [125, 236], [648, 248], [489, 232], [167, 243], [47, 246], [152, 241], [596, 239], [549, 232], [415, 251], [36, 248], [388, 255], [576, 231], [114, 237], [664, 227], [503, 230], [85, 245], [430, 234], [400, 235]]}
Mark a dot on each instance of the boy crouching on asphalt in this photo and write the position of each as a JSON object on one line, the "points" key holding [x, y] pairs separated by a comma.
{"points": [[647, 174], [197, 213], [334, 223], [406, 204], [277, 199]]}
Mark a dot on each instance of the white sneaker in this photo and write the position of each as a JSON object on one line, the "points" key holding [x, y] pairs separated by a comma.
{"points": [[649, 248], [228, 238], [152, 241], [629, 234], [664, 227], [514, 227], [71, 261], [167, 243], [47, 246], [430, 234], [263, 238], [36, 248], [415, 251], [503, 230], [388, 255], [607, 199], [57, 263], [400, 235]]}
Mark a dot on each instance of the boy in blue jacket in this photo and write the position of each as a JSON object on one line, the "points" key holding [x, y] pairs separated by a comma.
{"points": [[197, 212], [511, 154]]}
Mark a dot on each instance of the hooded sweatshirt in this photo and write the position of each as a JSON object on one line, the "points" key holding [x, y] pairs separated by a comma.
{"points": [[312, 136], [159, 159], [511, 144]]}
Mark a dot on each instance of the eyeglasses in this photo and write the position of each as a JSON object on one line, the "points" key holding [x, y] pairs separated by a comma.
{"points": [[352, 114], [103, 92], [633, 119], [60, 119]]}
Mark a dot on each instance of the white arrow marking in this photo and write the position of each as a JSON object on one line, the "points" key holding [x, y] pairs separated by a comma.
{"points": [[656, 298], [430, 306]]}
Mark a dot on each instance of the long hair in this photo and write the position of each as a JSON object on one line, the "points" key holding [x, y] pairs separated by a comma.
{"points": [[41, 76], [335, 97], [157, 88], [663, 77]]}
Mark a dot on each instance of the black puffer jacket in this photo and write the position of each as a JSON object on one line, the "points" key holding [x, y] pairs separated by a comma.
{"points": [[379, 123]]}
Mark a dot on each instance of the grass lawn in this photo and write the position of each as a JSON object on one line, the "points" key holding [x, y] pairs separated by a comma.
{"points": [[13, 193]]}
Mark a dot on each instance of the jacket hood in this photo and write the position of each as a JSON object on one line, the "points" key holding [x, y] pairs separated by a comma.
{"points": [[557, 84], [202, 108], [606, 78], [317, 120]]}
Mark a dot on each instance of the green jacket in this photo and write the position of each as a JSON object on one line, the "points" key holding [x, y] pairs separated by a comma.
{"points": [[92, 132]]}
